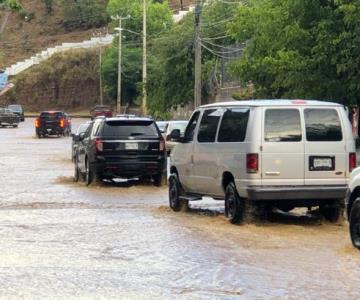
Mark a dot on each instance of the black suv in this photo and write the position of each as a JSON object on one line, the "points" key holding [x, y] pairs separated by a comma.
{"points": [[52, 123], [120, 148]]}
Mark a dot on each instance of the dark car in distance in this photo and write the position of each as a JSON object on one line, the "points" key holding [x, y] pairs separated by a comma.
{"points": [[52, 123], [101, 110], [75, 138], [18, 110], [121, 148], [8, 118]]}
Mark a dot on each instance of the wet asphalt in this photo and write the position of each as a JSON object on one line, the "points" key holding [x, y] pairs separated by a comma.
{"points": [[63, 240]]}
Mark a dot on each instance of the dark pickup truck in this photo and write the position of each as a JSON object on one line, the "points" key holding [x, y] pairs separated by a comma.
{"points": [[52, 123], [8, 118]]}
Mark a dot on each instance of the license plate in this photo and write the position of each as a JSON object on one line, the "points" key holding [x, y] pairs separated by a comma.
{"points": [[131, 146], [322, 162]]}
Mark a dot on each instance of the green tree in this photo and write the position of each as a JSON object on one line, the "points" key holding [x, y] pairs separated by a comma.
{"points": [[300, 49]]}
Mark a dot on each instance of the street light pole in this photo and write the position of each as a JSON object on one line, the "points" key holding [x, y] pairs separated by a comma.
{"points": [[118, 107], [144, 75]]}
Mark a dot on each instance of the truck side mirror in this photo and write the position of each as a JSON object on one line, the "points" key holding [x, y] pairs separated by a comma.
{"points": [[175, 135]]}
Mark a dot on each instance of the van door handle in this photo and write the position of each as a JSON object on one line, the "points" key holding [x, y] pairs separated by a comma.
{"points": [[272, 173], [192, 159]]}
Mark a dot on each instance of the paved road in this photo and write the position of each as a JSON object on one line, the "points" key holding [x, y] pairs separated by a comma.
{"points": [[62, 240]]}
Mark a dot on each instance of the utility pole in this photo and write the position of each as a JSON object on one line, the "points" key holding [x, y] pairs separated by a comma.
{"points": [[99, 35], [118, 106], [198, 85], [144, 74]]}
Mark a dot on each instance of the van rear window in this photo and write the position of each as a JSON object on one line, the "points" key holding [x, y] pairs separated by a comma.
{"points": [[322, 125], [282, 125], [233, 125], [127, 129]]}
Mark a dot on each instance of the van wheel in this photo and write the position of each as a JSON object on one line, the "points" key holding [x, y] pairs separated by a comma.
{"points": [[355, 224], [175, 203], [331, 213], [235, 207]]}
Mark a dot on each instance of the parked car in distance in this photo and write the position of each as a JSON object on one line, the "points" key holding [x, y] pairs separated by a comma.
{"points": [[352, 202], [52, 123], [17, 109], [173, 125], [75, 138], [162, 126], [120, 148], [264, 154], [101, 110], [8, 118]]}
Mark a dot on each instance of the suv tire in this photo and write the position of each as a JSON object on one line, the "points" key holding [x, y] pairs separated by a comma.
{"points": [[158, 179], [76, 170], [355, 223], [236, 208], [90, 175], [331, 213], [175, 203]]}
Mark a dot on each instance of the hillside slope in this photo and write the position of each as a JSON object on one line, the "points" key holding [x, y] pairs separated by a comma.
{"points": [[35, 30]]}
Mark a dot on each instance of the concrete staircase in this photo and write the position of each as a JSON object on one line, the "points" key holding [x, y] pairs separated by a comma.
{"points": [[92, 43]]}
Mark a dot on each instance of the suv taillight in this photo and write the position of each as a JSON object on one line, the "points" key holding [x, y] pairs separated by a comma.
{"points": [[162, 146], [62, 123], [252, 163], [37, 123], [352, 161], [99, 145]]}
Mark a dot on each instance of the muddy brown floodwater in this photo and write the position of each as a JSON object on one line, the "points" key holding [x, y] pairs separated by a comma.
{"points": [[61, 240]]}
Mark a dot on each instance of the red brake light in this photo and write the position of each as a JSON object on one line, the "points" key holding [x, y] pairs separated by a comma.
{"points": [[352, 161], [162, 145], [37, 123], [252, 163], [299, 101], [99, 146]]}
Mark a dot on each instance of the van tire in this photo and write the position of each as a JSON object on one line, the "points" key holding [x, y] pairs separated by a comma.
{"points": [[331, 213], [354, 221], [236, 208], [175, 203]]}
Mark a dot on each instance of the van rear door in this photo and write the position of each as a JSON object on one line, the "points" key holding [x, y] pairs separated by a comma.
{"points": [[325, 146], [282, 158]]}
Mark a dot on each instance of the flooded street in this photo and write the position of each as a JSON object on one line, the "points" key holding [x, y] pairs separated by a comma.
{"points": [[63, 240]]}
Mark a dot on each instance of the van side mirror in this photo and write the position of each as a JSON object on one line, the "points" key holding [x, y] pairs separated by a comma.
{"points": [[81, 136], [175, 135]]}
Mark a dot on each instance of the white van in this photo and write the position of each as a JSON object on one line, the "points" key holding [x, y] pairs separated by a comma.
{"points": [[264, 153]]}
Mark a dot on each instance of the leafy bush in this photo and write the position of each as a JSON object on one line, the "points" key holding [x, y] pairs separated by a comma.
{"points": [[84, 13]]}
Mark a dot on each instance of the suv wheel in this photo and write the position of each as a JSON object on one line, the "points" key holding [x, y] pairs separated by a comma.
{"points": [[355, 224], [235, 206], [76, 170], [158, 179], [176, 204], [90, 175], [331, 213]]}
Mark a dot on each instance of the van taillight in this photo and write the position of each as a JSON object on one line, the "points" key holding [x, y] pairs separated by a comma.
{"points": [[99, 145], [162, 145], [37, 123], [252, 163], [62, 123], [352, 161]]}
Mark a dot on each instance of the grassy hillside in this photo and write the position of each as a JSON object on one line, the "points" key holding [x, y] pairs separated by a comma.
{"points": [[35, 29]]}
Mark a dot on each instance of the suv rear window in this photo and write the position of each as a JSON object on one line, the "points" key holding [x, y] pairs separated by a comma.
{"points": [[130, 128], [233, 126], [322, 125], [57, 115], [282, 125]]}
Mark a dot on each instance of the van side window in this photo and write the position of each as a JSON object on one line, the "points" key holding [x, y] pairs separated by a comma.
{"points": [[189, 132], [282, 125], [208, 126], [322, 125], [233, 125]]}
